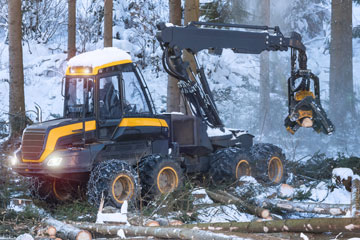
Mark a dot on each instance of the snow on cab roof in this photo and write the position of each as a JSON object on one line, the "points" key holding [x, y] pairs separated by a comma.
{"points": [[99, 57]]}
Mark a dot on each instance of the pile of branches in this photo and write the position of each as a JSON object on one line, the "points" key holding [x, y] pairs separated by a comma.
{"points": [[319, 167]]}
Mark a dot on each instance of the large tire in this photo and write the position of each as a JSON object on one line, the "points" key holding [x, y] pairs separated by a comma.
{"points": [[116, 181], [51, 190], [269, 163], [159, 175], [229, 164]]}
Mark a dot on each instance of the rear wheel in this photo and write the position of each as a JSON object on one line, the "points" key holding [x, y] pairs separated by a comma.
{"points": [[116, 181], [229, 164], [269, 163], [159, 175]]}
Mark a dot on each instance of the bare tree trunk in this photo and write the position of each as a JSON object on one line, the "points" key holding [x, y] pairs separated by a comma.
{"points": [[341, 66], [158, 232], [192, 13], [312, 225], [108, 21], [264, 75], [16, 95], [67, 231], [226, 198], [355, 197], [71, 28], [307, 207], [173, 92]]}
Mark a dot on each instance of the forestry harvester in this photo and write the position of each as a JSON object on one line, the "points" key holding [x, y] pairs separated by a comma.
{"points": [[112, 142]]}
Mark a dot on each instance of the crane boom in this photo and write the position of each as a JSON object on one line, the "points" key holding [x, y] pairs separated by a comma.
{"points": [[304, 106]]}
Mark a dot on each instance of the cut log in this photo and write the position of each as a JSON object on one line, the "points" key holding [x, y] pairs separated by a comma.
{"points": [[355, 196], [157, 232], [313, 225], [67, 231], [306, 207], [51, 231], [226, 198]]}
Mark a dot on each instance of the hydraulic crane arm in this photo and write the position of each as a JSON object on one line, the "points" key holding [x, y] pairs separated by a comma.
{"points": [[250, 40]]}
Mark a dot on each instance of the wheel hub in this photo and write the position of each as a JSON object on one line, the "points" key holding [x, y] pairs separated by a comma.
{"points": [[167, 180], [122, 188], [275, 170], [243, 169]]}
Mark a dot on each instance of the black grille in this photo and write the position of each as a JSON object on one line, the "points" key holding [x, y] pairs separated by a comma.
{"points": [[33, 143]]}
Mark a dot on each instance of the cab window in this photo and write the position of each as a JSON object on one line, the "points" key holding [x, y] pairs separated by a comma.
{"points": [[134, 101], [109, 97]]}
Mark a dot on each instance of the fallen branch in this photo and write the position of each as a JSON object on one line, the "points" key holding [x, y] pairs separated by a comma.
{"points": [[157, 232], [67, 231], [307, 207], [313, 225], [227, 198]]}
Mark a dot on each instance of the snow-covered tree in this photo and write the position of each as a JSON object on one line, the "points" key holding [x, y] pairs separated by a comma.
{"points": [[309, 17]]}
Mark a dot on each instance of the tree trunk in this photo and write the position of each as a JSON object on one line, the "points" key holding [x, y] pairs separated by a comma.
{"points": [[341, 69], [312, 225], [227, 198], [67, 231], [71, 28], [157, 232], [355, 197], [108, 22], [264, 76], [192, 12], [16, 94], [173, 92], [306, 207]]}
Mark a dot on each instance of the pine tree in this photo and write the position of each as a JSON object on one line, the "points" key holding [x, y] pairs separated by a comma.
{"points": [[16, 95]]}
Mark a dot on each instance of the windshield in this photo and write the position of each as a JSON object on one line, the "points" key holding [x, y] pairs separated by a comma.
{"points": [[79, 94]]}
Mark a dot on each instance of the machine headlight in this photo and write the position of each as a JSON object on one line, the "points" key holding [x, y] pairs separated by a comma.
{"points": [[13, 160], [54, 162]]}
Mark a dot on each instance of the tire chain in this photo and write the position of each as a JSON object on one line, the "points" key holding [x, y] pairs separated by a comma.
{"points": [[221, 164], [100, 178], [261, 152]]}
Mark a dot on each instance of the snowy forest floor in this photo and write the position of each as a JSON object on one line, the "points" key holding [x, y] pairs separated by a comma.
{"points": [[191, 203]]}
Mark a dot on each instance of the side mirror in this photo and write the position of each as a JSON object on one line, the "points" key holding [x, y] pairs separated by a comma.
{"points": [[38, 112], [63, 86]]}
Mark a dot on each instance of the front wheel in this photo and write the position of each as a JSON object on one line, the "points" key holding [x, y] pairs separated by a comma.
{"points": [[159, 175], [52, 190], [115, 181], [269, 163]]}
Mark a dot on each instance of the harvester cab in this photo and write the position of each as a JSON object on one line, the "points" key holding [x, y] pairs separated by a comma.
{"points": [[105, 90]]}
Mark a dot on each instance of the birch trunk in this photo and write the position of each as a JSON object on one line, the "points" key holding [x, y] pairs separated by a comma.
{"points": [[67, 231], [306, 207], [158, 232], [227, 198], [313, 225]]}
